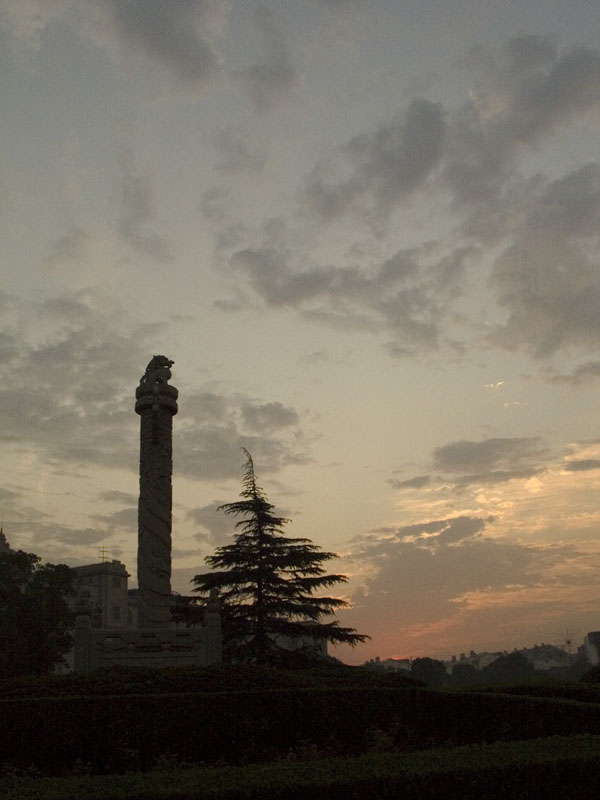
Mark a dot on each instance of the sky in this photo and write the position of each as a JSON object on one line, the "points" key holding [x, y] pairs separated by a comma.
{"points": [[367, 234]]}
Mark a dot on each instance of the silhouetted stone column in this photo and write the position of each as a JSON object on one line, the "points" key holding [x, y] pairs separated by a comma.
{"points": [[156, 403]]}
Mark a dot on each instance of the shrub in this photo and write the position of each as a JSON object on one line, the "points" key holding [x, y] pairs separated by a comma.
{"points": [[120, 732], [179, 680], [592, 675], [533, 769]]}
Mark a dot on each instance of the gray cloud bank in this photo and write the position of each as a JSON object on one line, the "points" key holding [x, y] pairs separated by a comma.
{"points": [[269, 83], [384, 167], [69, 396], [69, 371], [496, 460], [424, 573], [180, 36], [183, 41], [525, 239], [583, 465], [542, 285], [180, 45]]}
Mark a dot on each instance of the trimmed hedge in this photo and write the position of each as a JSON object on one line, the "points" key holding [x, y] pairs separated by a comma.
{"points": [[533, 769], [116, 733], [582, 692], [181, 680]]}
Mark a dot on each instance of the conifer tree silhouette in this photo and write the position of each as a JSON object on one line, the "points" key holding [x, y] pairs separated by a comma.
{"points": [[267, 582]]}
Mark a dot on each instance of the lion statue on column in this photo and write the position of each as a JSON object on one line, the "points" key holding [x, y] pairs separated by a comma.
{"points": [[157, 371]]}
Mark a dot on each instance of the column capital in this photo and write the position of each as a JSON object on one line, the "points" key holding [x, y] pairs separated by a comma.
{"points": [[154, 391], [150, 395]]}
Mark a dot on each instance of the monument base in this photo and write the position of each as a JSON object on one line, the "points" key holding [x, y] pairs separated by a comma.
{"points": [[158, 647]]}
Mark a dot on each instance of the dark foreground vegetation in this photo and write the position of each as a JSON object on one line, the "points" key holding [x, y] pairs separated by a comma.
{"points": [[534, 769], [329, 732]]}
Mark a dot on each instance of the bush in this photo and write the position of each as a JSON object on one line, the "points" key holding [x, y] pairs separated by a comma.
{"points": [[180, 680], [592, 675], [119, 732], [534, 769], [583, 693]]}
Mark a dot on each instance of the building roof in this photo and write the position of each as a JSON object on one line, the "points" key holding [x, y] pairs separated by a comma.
{"points": [[113, 567]]}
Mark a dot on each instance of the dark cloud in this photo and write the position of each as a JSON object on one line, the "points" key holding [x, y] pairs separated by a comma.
{"points": [[208, 452], [269, 275], [269, 416], [496, 460], [488, 455], [418, 581], [272, 82], [208, 406], [461, 528], [68, 403], [7, 494], [181, 577], [126, 518], [548, 278], [433, 533], [68, 248], [584, 373], [70, 399], [519, 96], [583, 465], [341, 3], [406, 294], [317, 357], [115, 496], [70, 536], [374, 172], [540, 87], [138, 214], [211, 428], [423, 573], [418, 482], [215, 527], [32, 530], [68, 394], [269, 85], [9, 347], [527, 92], [545, 280], [6, 300], [569, 206], [178, 36], [238, 153], [498, 476]]}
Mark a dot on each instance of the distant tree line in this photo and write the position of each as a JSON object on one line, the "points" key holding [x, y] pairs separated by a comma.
{"points": [[507, 668]]}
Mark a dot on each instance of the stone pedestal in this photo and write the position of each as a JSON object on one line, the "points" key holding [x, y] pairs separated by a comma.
{"points": [[158, 647]]}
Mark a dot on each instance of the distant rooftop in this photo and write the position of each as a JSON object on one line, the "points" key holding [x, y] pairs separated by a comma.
{"points": [[114, 567]]}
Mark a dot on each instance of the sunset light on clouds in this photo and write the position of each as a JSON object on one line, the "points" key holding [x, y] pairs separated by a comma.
{"points": [[367, 233]]}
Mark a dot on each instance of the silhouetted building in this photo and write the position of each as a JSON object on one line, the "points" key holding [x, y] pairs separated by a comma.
{"points": [[591, 644], [102, 594]]}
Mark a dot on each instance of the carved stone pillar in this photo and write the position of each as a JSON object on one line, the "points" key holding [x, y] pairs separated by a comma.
{"points": [[156, 403]]}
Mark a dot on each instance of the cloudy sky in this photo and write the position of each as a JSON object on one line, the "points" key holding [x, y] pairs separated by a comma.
{"points": [[367, 234]]}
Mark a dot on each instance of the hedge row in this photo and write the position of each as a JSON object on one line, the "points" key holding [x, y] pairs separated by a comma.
{"points": [[181, 680], [113, 734], [583, 692], [531, 769]]}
